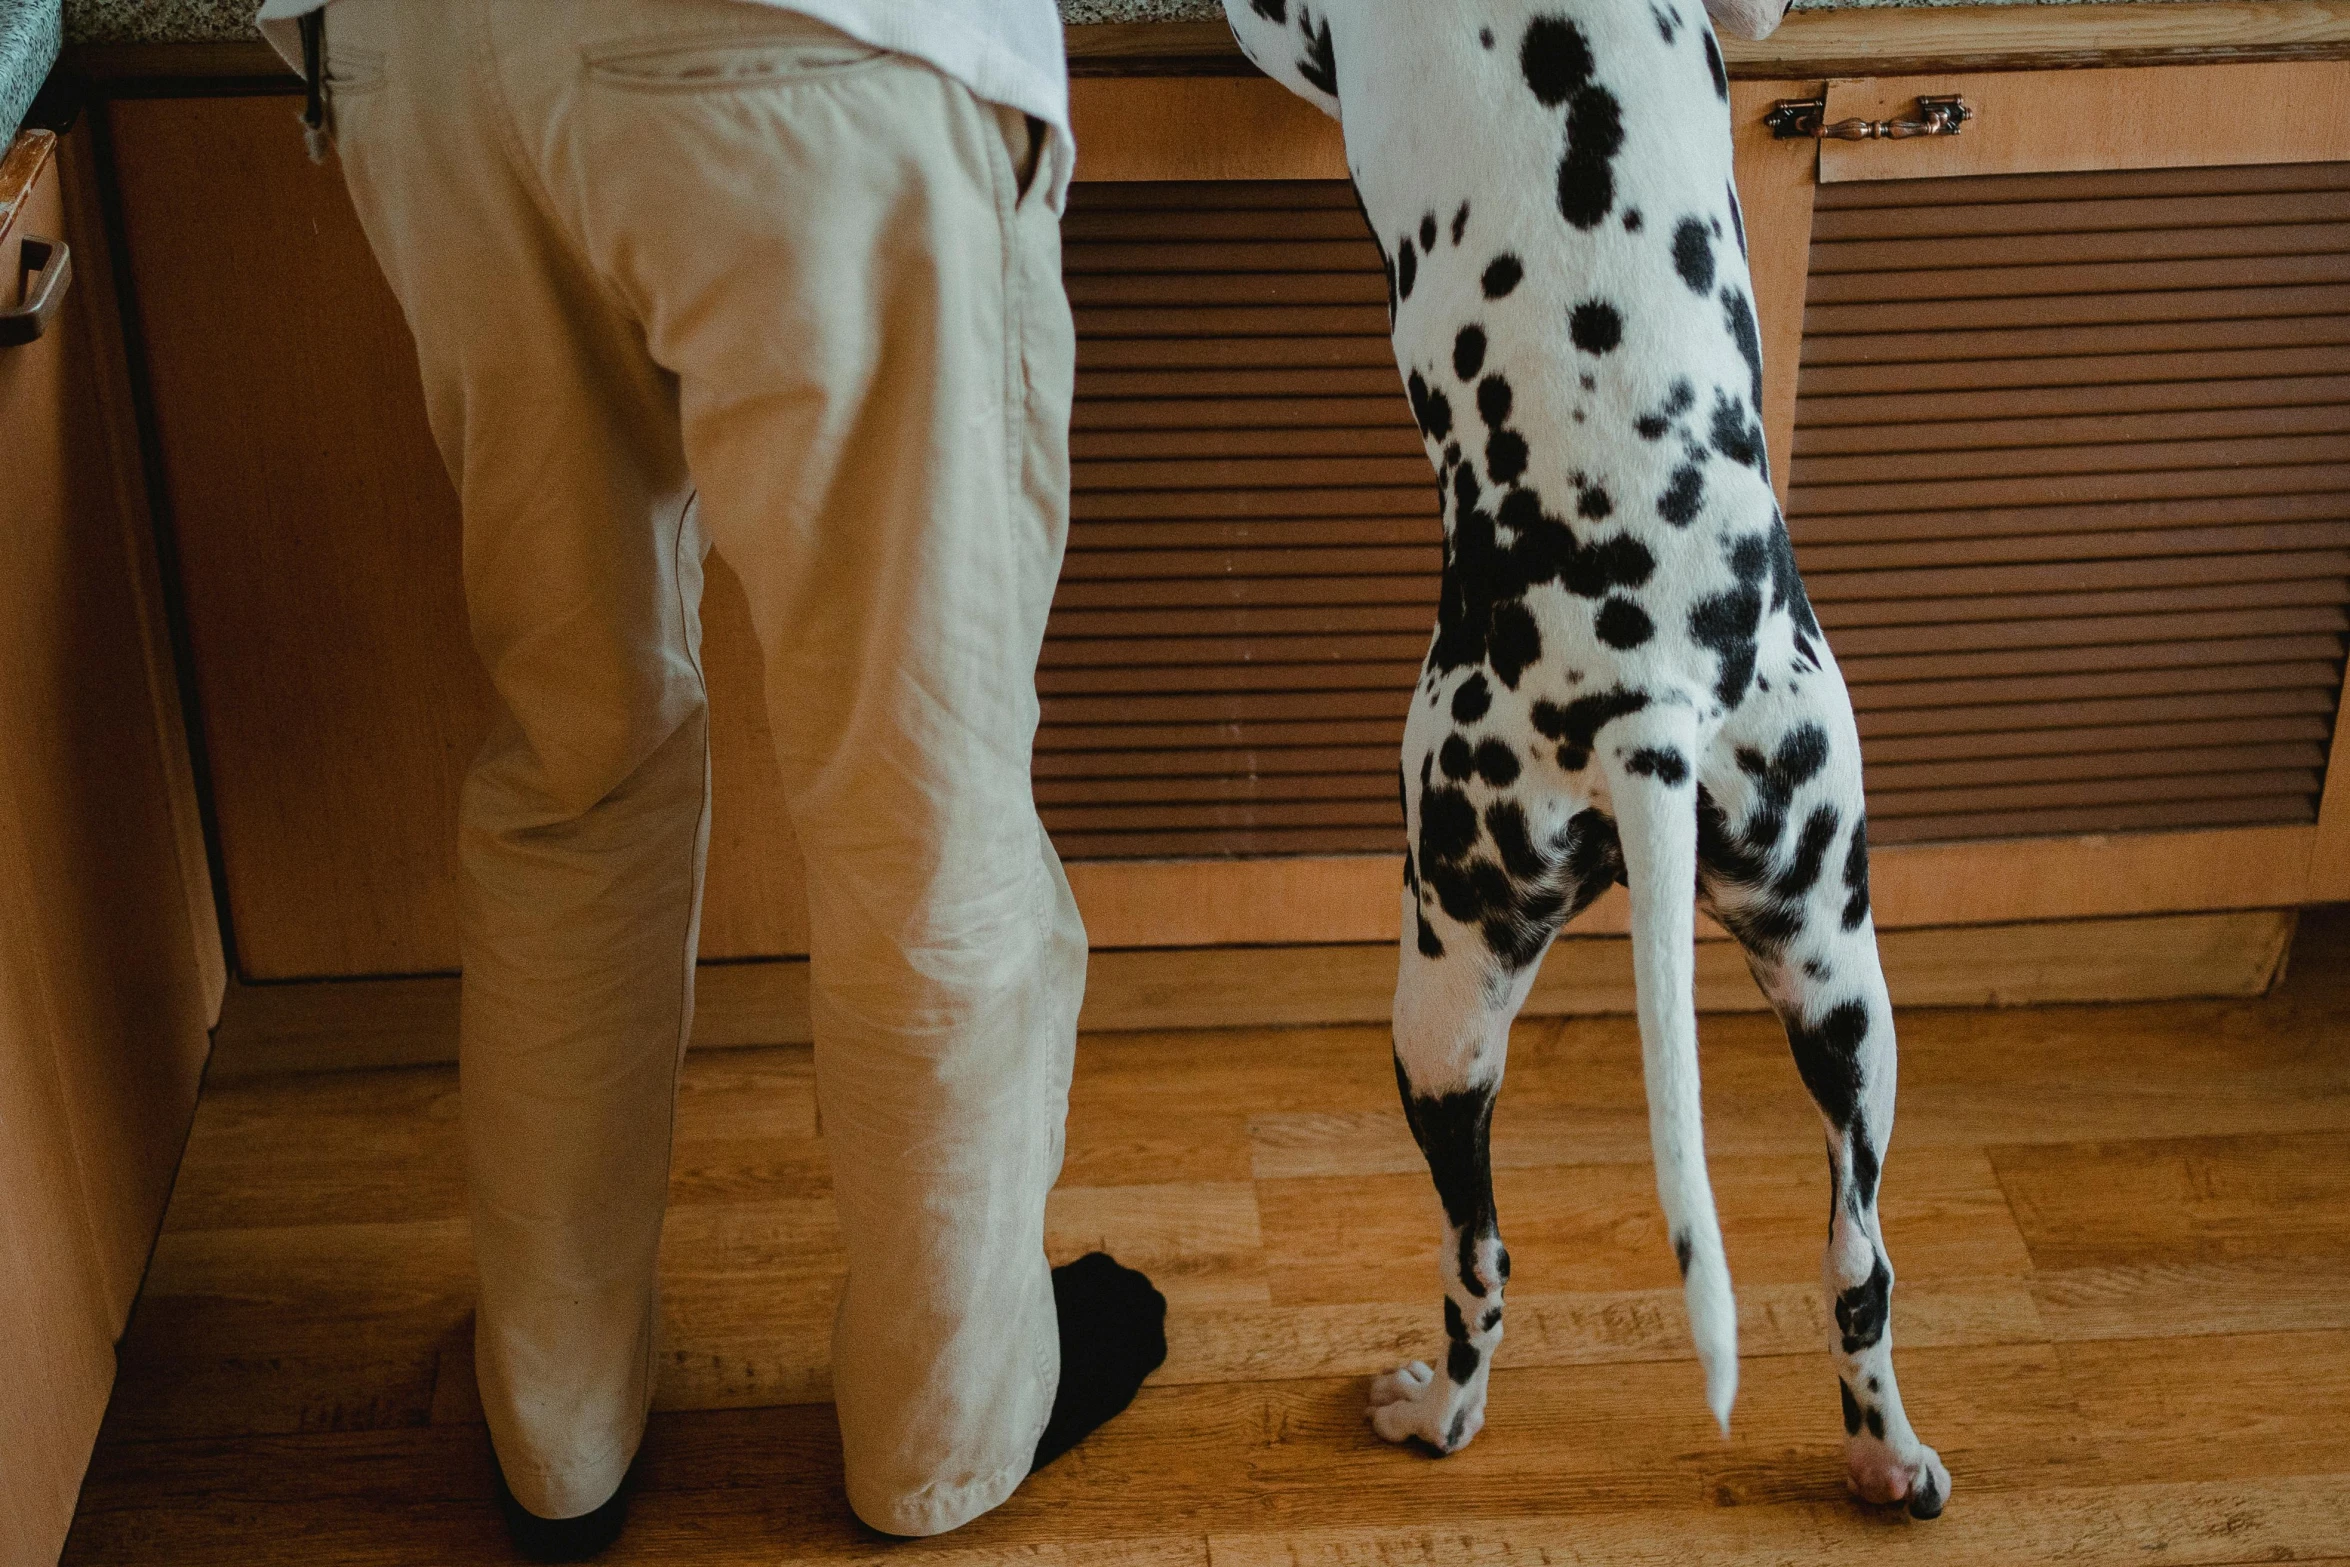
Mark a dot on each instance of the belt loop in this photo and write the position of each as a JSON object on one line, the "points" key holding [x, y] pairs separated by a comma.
{"points": [[314, 137]]}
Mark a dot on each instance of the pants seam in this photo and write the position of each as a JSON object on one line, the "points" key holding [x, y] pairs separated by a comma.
{"points": [[685, 1000]]}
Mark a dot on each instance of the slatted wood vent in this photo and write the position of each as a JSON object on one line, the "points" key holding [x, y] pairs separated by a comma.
{"points": [[2071, 492]]}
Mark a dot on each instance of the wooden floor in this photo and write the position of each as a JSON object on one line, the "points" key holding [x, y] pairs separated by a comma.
{"points": [[2122, 1236]]}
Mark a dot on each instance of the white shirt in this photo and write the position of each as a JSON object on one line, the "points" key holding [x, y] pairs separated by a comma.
{"points": [[1006, 51]]}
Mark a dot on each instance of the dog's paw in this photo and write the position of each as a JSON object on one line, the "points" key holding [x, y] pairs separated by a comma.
{"points": [[1413, 1404], [1878, 1474]]}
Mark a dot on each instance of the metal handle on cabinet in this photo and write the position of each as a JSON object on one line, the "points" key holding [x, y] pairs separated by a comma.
{"points": [[44, 272], [1797, 119]]}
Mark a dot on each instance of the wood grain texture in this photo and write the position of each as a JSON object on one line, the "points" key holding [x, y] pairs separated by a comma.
{"points": [[2119, 1232]]}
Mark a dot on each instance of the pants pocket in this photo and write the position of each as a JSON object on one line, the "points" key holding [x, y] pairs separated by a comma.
{"points": [[729, 62]]}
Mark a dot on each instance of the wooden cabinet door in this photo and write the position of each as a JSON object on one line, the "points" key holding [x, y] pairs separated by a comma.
{"points": [[2072, 460], [109, 966]]}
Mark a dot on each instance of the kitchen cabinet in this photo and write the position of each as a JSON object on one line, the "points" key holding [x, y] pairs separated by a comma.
{"points": [[2106, 685], [110, 964]]}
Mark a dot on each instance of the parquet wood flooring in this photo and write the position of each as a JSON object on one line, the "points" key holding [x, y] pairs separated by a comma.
{"points": [[2122, 1235]]}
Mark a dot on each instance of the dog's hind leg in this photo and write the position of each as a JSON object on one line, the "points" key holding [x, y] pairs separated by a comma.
{"points": [[1451, 1037], [1484, 891], [1789, 879]]}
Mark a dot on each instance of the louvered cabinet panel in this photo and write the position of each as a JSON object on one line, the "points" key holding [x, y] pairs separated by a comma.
{"points": [[2071, 489], [1254, 545]]}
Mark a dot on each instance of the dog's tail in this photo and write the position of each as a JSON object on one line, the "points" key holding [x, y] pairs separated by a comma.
{"points": [[1654, 790]]}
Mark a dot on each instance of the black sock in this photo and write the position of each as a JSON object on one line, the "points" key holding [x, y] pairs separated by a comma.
{"points": [[1113, 1334], [561, 1539]]}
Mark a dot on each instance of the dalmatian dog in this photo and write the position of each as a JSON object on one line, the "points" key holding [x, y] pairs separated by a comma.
{"points": [[1626, 682]]}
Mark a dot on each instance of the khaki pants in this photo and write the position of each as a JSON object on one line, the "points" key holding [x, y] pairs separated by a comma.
{"points": [[650, 248]]}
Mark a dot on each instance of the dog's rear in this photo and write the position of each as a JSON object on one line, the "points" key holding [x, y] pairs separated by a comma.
{"points": [[1626, 682]]}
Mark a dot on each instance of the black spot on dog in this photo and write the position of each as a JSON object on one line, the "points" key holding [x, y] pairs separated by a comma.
{"points": [[1800, 756], [1623, 624], [1927, 1500], [1471, 701], [1505, 457], [1876, 1420], [1664, 23], [1460, 1423], [1693, 255], [1726, 624], [1787, 582], [1271, 10], [1460, 221], [1666, 765], [1460, 1364], [1594, 504], [1468, 352], [1457, 760], [1448, 827], [1431, 945], [1497, 764], [1505, 823], [1576, 726], [1632, 220], [1851, 1405], [1407, 268], [1734, 435], [1864, 1164], [1737, 218], [1318, 65], [1827, 1056], [1683, 497], [1586, 180], [1856, 875], [1713, 66], [1493, 401], [1862, 1310], [1429, 406], [1516, 642], [1681, 1251], [1621, 562], [1738, 321], [1485, 36], [1595, 326], [1555, 58], [1501, 275], [1428, 232], [1456, 1326], [1519, 922], [1455, 1134], [1811, 853]]}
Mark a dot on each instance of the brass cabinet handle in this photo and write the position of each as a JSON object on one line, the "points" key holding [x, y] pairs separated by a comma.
{"points": [[44, 271], [1798, 119]]}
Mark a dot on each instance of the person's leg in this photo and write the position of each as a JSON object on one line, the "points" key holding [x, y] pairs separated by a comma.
{"points": [[584, 820], [832, 250]]}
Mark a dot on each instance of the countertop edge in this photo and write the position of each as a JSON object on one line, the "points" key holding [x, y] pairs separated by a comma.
{"points": [[1862, 40]]}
